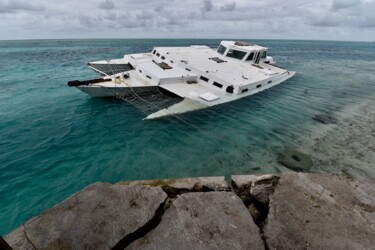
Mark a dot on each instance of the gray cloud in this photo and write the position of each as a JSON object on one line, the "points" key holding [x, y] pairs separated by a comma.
{"points": [[107, 4], [343, 4], [228, 7], [15, 6], [207, 6], [300, 19]]}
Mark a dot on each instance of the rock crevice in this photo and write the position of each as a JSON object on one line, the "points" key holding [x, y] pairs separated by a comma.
{"points": [[144, 230], [27, 238]]}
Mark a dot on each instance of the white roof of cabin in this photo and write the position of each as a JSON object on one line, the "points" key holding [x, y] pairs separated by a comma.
{"points": [[250, 47]]}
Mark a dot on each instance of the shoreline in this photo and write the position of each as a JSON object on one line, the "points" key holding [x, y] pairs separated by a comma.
{"points": [[252, 211]]}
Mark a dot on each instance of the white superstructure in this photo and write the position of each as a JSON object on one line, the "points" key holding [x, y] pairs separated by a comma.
{"points": [[200, 76]]}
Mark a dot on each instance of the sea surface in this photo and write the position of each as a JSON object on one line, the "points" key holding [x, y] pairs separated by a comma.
{"points": [[55, 140]]}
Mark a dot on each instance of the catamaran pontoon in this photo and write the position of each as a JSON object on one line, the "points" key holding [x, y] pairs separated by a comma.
{"points": [[191, 78]]}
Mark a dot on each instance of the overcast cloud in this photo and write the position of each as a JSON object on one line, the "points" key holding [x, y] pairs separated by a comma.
{"points": [[268, 19]]}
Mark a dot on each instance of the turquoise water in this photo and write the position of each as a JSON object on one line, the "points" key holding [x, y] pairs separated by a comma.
{"points": [[55, 140]]}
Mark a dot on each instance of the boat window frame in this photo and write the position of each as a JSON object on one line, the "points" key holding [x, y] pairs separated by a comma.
{"points": [[219, 50], [258, 57], [252, 54]]}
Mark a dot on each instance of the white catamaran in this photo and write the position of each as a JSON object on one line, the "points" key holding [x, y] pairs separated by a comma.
{"points": [[174, 80]]}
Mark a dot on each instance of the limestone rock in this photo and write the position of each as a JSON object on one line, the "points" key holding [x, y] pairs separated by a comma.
{"points": [[312, 211], [18, 240], [295, 160], [241, 185], [262, 187], [254, 212], [97, 217], [212, 220], [325, 119], [259, 187], [178, 186]]}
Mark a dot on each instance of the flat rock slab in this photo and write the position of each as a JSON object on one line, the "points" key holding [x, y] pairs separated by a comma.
{"points": [[98, 217], [212, 220], [183, 185], [313, 211]]}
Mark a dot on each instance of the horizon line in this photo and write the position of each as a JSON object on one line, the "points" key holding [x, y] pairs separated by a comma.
{"points": [[156, 38]]}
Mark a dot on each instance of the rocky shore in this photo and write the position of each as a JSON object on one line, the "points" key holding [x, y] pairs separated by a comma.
{"points": [[290, 211]]}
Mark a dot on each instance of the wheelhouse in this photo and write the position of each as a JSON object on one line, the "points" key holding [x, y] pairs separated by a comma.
{"points": [[243, 51]]}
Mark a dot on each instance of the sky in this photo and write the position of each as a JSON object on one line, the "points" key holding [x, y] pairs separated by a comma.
{"points": [[352, 20]]}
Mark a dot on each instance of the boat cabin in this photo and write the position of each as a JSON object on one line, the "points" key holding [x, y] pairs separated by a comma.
{"points": [[244, 51]]}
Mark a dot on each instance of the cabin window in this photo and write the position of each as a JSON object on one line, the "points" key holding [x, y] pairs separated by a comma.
{"points": [[149, 77], [140, 71], [162, 57], [204, 78], [264, 55], [219, 85], [157, 54], [270, 81], [236, 54], [171, 61], [221, 49], [188, 69], [154, 52], [245, 90], [258, 86], [250, 57]]}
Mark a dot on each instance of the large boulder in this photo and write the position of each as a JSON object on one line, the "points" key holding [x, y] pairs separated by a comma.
{"points": [[98, 217], [212, 220], [313, 211]]}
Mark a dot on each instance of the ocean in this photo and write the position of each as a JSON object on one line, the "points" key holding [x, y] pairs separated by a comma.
{"points": [[55, 140]]}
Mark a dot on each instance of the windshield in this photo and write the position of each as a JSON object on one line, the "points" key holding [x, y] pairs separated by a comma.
{"points": [[236, 54], [221, 49]]}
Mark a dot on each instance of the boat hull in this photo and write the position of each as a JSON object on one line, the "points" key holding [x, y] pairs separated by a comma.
{"points": [[118, 92], [110, 68]]}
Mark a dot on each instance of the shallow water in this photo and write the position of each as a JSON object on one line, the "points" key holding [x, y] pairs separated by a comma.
{"points": [[55, 140]]}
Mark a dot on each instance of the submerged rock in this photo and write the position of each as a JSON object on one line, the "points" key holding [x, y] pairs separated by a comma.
{"points": [[295, 160], [98, 217], [325, 119], [212, 220], [313, 211]]}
